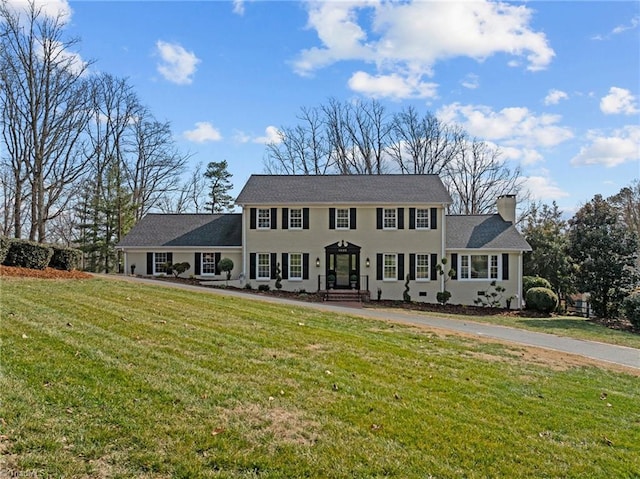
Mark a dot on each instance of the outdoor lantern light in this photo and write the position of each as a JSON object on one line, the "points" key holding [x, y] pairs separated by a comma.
{"points": [[317, 262], [368, 263]]}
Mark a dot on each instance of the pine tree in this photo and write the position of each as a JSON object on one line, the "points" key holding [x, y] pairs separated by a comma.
{"points": [[218, 175]]}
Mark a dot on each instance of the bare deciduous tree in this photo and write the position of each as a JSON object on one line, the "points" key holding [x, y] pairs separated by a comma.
{"points": [[44, 99]]}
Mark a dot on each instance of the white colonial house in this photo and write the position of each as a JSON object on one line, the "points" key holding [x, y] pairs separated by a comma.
{"points": [[368, 233]]}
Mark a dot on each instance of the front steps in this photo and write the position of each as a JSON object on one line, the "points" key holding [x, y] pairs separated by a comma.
{"points": [[346, 295]]}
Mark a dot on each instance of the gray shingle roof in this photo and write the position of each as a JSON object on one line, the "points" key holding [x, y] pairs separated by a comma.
{"points": [[484, 232], [343, 189], [185, 230]]}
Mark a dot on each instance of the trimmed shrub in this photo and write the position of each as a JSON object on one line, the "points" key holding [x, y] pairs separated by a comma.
{"points": [[28, 254], [65, 258], [631, 308], [5, 243], [176, 269], [541, 299], [529, 282], [263, 287], [226, 265]]}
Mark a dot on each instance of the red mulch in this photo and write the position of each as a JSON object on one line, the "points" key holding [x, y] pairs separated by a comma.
{"points": [[47, 273]]}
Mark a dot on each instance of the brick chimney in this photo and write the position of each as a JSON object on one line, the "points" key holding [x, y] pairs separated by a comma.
{"points": [[506, 205]]}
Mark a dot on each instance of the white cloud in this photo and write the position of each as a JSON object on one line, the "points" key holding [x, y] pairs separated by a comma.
{"points": [[177, 64], [621, 146], [51, 8], [203, 132], [542, 188], [471, 81], [409, 38], [514, 126], [554, 97], [391, 86], [633, 24], [238, 7], [271, 135], [618, 101]]}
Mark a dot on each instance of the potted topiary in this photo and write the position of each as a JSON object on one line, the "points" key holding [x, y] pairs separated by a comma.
{"points": [[331, 281], [353, 279]]}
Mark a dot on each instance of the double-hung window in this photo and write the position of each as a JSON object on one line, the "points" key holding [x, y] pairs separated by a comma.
{"points": [[295, 219], [422, 267], [342, 218], [390, 267], [295, 266], [480, 266], [160, 262], [264, 218], [208, 263], [263, 266], [390, 218], [422, 218]]}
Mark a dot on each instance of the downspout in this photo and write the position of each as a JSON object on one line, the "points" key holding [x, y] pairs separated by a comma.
{"points": [[443, 249], [244, 245], [520, 298]]}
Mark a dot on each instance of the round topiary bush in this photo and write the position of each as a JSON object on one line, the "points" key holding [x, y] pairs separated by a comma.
{"points": [[529, 282], [541, 299], [631, 308]]}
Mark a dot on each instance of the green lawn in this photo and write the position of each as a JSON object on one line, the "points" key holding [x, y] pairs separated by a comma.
{"points": [[104, 378]]}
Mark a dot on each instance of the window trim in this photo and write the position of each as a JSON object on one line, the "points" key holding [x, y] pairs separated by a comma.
{"points": [[386, 218], [348, 218], [268, 266], [427, 271], [494, 266], [203, 262], [291, 277], [393, 277], [260, 219], [300, 218], [156, 270], [427, 218]]}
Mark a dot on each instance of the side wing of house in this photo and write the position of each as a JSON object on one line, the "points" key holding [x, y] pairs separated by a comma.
{"points": [[482, 250], [198, 239]]}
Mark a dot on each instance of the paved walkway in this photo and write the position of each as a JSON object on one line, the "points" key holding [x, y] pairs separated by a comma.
{"points": [[620, 355]]}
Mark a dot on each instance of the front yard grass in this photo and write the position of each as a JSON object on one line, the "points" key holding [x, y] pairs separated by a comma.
{"points": [[105, 378]]}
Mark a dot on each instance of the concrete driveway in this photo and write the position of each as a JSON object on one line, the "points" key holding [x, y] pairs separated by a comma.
{"points": [[619, 355]]}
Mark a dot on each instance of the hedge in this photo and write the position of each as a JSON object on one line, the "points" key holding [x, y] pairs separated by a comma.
{"points": [[65, 258], [542, 299], [529, 282], [28, 254], [5, 243], [631, 308]]}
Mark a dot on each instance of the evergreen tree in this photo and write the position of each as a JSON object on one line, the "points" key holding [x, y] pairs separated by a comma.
{"points": [[603, 250], [218, 175], [545, 230]]}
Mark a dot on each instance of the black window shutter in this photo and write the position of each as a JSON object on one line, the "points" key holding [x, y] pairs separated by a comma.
{"points": [[352, 218], [170, 258], [433, 266], [332, 218], [400, 218], [412, 218], [285, 218], [454, 265], [285, 265], [252, 266], [274, 218], [305, 265], [505, 266], [401, 266], [216, 258], [274, 261], [197, 263], [379, 218], [433, 224], [379, 266], [252, 218], [412, 266], [149, 263], [305, 218]]}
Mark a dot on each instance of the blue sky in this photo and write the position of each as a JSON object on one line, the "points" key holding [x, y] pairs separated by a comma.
{"points": [[556, 85]]}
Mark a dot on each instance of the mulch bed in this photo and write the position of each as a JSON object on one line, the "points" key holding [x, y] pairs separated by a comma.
{"points": [[47, 273]]}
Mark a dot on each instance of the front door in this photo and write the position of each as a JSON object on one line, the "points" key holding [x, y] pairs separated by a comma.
{"points": [[343, 262]]}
